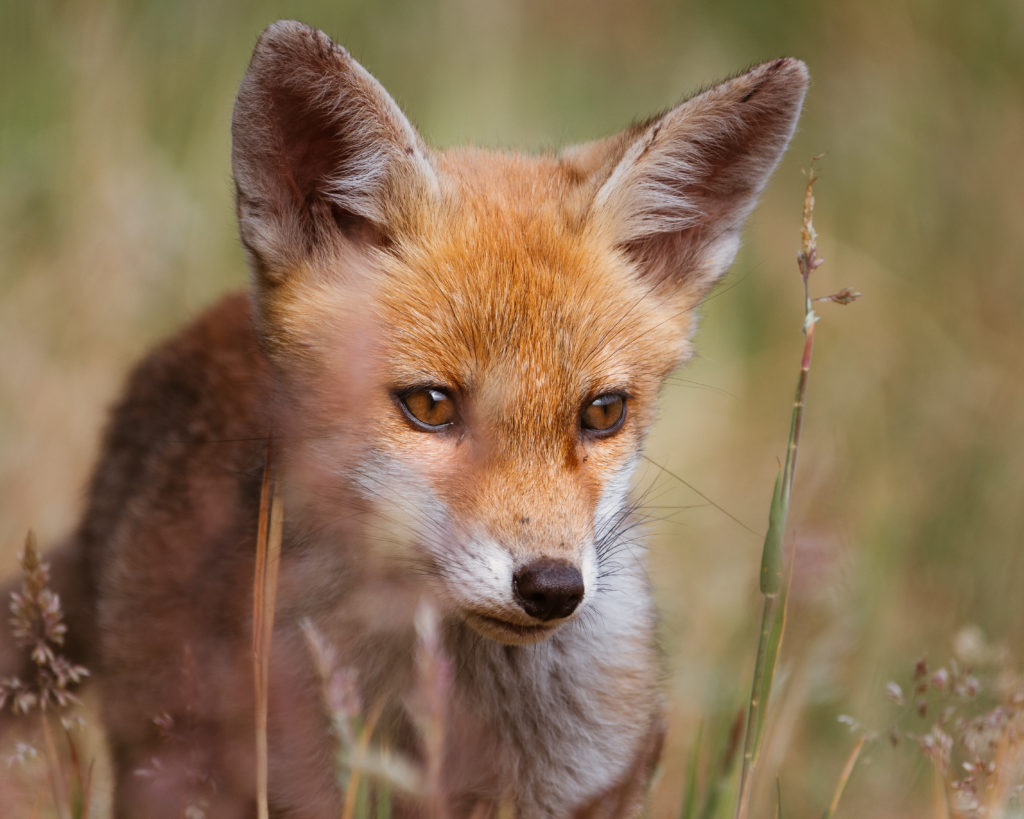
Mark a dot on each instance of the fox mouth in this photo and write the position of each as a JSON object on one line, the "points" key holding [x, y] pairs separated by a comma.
{"points": [[503, 631]]}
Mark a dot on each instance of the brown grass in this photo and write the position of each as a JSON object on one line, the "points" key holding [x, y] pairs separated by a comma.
{"points": [[268, 559]]}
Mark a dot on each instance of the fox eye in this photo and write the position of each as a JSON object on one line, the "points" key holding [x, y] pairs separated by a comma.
{"points": [[430, 409], [604, 415]]}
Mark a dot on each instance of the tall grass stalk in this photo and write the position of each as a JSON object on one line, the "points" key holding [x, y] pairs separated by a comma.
{"points": [[844, 777], [58, 782], [81, 781], [352, 789], [690, 800], [268, 556], [774, 583], [724, 762]]}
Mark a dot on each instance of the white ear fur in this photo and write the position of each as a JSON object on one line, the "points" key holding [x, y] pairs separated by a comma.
{"points": [[677, 189], [319, 149]]}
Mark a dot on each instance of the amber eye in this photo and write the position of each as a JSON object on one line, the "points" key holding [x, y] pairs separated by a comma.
{"points": [[430, 409], [605, 414]]}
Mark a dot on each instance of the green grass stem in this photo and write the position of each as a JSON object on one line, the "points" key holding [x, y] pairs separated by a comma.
{"points": [[774, 583], [690, 801]]}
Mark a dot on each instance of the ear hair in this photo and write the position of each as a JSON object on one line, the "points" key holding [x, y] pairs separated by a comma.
{"points": [[674, 191], [320, 152]]}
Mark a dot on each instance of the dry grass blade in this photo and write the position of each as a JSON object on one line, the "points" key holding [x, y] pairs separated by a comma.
{"points": [[844, 777], [57, 779], [81, 782], [268, 554], [85, 797], [362, 746]]}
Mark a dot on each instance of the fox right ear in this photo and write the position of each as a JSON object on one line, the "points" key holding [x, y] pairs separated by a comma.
{"points": [[320, 152], [673, 192]]}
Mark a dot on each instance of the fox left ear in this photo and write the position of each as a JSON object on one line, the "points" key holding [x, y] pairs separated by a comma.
{"points": [[320, 152], [674, 191]]}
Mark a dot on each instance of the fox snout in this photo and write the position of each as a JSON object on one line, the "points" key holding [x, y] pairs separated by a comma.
{"points": [[548, 589], [518, 596]]}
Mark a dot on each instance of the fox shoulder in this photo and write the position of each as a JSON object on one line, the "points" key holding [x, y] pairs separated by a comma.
{"points": [[191, 424]]}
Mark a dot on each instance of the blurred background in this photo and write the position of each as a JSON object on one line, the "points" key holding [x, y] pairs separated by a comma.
{"points": [[117, 225]]}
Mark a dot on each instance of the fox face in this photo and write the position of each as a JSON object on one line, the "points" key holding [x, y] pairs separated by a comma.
{"points": [[477, 340], [516, 361]]}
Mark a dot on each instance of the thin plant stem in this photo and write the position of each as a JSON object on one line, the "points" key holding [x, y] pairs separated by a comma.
{"points": [[362, 746], [690, 801], [773, 626], [268, 555], [774, 584], [57, 781], [81, 790], [725, 763], [844, 777]]}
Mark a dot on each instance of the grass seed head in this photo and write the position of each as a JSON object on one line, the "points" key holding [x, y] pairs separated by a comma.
{"points": [[37, 623]]}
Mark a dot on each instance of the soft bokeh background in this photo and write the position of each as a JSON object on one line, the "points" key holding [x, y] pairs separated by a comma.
{"points": [[117, 225]]}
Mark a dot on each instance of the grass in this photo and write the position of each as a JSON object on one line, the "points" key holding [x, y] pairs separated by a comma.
{"points": [[776, 569], [966, 717], [268, 559], [37, 625], [775, 581]]}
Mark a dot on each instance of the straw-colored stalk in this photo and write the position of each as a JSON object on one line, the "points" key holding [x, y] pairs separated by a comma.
{"points": [[268, 556], [844, 777], [361, 750], [81, 781], [57, 780]]}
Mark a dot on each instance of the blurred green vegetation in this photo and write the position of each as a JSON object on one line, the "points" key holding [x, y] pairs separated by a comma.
{"points": [[117, 214]]}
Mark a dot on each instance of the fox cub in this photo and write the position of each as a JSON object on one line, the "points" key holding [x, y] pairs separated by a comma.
{"points": [[452, 359]]}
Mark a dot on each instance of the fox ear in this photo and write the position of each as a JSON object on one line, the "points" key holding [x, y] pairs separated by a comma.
{"points": [[674, 191], [320, 152]]}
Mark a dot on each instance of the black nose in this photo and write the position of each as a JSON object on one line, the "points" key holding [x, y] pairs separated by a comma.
{"points": [[548, 589]]}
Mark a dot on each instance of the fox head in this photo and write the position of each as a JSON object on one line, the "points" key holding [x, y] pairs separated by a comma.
{"points": [[477, 339]]}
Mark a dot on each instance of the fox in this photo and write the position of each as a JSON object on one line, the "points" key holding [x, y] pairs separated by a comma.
{"points": [[450, 360]]}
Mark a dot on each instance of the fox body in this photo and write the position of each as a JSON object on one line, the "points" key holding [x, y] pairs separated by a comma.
{"points": [[451, 360]]}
